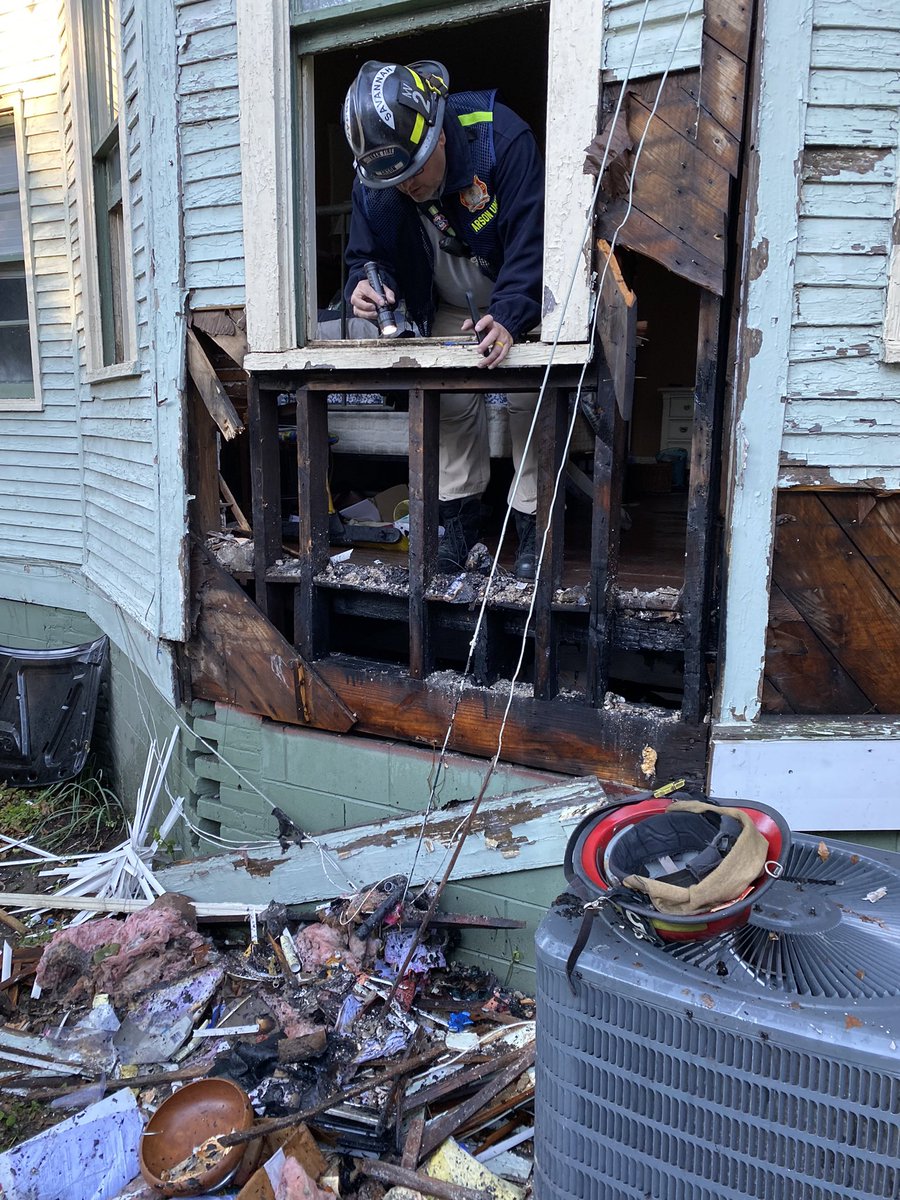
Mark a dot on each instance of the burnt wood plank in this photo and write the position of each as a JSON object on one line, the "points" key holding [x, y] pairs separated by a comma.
{"points": [[645, 235], [680, 108], [265, 476], [801, 674], [423, 524], [203, 468], [698, 545], [840, 595], [609, 460], [237, 656], [617, 327], [730, 23], [723, 79], [551, 434], [694, 178], [310, 610], [566, 737]]}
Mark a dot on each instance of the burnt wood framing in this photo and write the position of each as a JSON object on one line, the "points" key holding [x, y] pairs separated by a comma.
{"points": [[631, 743]]}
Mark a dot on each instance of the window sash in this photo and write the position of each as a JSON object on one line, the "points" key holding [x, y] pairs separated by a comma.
{"points": [[17, 344], [101, 66]]}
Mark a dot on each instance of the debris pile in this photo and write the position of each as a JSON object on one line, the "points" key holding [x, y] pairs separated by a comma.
{"points": [[371, 1064]]}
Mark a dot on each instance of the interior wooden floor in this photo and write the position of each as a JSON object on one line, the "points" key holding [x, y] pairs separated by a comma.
{"points": [[651, 552]]}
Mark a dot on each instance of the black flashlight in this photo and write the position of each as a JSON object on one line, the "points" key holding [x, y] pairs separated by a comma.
{"points": [[384, 312]]}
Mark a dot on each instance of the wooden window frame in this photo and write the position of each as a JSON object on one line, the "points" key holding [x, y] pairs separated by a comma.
{"points": [[276, 79], [100, 274], [11, 103]]}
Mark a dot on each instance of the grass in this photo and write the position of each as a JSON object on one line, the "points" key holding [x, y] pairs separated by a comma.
{"points": [[77, 815]]}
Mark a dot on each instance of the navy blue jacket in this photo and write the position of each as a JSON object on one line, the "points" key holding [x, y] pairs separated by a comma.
{"points": [[505, 230]]}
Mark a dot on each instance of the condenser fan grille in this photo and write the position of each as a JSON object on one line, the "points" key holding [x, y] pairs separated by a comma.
{"points": [[830, 929]]}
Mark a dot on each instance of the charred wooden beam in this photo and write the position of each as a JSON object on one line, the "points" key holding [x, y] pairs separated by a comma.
{"points": [[700, 514], [207, 383], [310, 612], [609, 471], [238, 657], [265, 473], [551, 433], [611, 743], [423, 524]]}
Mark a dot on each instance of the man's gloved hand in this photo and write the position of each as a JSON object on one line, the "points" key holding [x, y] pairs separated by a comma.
{"points": [[365, 301], [495, 340]]}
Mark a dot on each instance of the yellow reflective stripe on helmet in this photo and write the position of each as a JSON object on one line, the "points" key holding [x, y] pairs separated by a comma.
{"points": [[419, 84], [416, 136], [474, 118]]}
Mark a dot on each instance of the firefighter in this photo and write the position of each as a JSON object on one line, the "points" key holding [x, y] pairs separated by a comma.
{"points": [[449, 199]]}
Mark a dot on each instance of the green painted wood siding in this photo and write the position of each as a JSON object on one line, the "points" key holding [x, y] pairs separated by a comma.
{"points": [[842, 418], [210, 152], [40, 494]]}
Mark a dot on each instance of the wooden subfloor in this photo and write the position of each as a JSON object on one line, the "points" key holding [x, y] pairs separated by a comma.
{"points": [[651, 553]]}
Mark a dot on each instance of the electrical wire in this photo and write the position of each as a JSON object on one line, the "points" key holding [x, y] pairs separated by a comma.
{"points": [[462, 830], [586, 233]]}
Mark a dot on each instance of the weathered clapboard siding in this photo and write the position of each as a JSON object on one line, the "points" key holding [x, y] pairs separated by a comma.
{"points": [[841, 411], [662, 39], [120, 501], [40, 495], [210, 152]]}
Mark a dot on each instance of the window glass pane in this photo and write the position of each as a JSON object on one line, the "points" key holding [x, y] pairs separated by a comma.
{"points": [[13, 297], [102, 65], [15, 361], [9, 175], [10, 211], [10, 226]]}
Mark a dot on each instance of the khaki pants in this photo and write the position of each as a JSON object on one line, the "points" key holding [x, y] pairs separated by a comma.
{"points": [[465, 462]]}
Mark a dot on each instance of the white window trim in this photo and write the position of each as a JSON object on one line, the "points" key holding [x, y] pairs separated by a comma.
{"points": [[264, 79], [892, 303], [96, 371], [12, 101]]}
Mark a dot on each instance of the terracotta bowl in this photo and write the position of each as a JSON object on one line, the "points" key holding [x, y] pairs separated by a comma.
{"points": [[181, 1126]]}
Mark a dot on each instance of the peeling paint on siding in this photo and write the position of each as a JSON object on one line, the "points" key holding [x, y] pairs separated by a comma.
{"points": [[758, 259]]}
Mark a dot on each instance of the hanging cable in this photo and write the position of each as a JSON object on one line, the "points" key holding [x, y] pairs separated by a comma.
{"points": [[467, 823]]}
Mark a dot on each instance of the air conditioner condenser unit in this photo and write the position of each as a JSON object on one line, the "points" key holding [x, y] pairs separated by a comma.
{"points": [[763, 1063]]}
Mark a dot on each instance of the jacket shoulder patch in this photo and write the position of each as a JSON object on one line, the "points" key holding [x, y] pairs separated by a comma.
{"points": [[475, 197]]}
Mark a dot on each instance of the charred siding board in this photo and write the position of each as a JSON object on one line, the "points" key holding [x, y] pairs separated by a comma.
{"points": [[833, 642], [841, 418], [40, 496], [210, 152]]}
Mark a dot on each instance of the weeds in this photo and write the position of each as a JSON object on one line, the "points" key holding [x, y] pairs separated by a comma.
{"points": [[77, 814], [18, 1120]]}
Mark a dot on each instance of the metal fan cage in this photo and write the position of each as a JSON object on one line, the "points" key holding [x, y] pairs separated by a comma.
{"points": [[716, 1072]]}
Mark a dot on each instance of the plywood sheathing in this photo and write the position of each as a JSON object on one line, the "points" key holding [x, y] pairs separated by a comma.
{"points": [[833, 641], [682, 184]]}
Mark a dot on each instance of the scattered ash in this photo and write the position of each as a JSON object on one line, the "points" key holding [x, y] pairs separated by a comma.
{"points": [[390, 579], [662, 604], [577, 596]]}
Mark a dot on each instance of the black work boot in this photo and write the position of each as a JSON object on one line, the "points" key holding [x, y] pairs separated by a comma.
{"points": [[461, 520], [526, 557]]}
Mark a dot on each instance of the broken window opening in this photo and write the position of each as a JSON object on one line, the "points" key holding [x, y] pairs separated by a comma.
{"points": [[469, 52]]}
